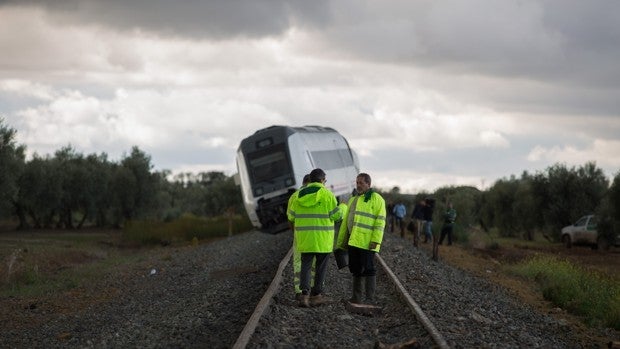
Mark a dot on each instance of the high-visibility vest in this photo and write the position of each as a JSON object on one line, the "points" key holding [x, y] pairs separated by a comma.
{"points": [[313, 213], [367, 223], [292, 198]]}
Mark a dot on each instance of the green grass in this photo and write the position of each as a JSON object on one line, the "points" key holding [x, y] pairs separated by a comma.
{"points": [[591, 295]]}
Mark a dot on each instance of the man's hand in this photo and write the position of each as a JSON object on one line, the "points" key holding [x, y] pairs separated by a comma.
{"points": [[372, 245]]}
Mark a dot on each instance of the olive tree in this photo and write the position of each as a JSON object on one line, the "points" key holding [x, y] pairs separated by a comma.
{"points": [[527, 207], [464, 199], [12, 160], [134, 187], [572, 193], [498, 204], [40, 191]]}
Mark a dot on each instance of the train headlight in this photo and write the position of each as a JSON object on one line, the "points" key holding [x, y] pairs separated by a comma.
{"points": [[258, 191], [288, 181]]}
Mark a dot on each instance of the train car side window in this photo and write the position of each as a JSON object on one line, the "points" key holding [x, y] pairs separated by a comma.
{"points": [[330, 159]]}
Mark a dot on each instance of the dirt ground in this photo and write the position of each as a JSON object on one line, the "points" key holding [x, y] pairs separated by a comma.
{"points": [[490, 264]]}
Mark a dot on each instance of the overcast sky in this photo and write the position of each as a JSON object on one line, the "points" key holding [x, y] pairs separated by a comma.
{"points": [[429, 93]]}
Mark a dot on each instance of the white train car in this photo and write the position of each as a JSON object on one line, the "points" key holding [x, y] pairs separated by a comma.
{"points": [[272, 162]]}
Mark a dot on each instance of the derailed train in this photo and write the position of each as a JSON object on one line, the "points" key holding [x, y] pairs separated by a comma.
{"points": [[272, 162]]}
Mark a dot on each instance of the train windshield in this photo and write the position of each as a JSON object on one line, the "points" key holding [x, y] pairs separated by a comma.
{"points": [[268, 164]]}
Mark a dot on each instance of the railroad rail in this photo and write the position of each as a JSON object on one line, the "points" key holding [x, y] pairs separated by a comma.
{"points": [[263, 304]]}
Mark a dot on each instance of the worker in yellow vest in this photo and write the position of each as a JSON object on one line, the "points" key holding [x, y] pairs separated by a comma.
{"points": [[361, 233], [296, 253], [312, 214]]}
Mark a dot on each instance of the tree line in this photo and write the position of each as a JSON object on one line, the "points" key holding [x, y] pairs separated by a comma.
{"points": [[69, 189], [541, 203]]}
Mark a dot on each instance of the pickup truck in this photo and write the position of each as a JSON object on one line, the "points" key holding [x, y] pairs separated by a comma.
{"points": [[584, 232]]}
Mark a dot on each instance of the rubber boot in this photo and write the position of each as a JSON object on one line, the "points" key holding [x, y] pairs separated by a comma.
{"points": [[371, 286], [358, 283]]}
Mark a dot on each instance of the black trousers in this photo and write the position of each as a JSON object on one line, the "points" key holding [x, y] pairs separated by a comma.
{"points": [[307, 260], [446, 230], [361, 262]]}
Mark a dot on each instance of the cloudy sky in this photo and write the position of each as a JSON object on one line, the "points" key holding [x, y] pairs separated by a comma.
{"points": [[429, 93]]}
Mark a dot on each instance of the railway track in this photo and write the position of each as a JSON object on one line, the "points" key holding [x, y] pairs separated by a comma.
{"points": [[277, 321], [436, 306]]}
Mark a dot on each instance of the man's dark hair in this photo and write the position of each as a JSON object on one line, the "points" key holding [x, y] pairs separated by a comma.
{"points": [[430, 202], [366, 177], [306, 179], [317, 175]]}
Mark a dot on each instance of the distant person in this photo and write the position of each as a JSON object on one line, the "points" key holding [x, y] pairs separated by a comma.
{"points": [[418, 218], [296, 253], [390, 217], [313, 213], [428, 219], [361, 233], [399, 217], [448, 223]]}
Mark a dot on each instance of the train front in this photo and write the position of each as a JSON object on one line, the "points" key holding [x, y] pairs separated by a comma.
{"points": [[266, 177]]}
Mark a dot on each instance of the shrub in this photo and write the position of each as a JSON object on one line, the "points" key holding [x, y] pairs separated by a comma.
{"points": [[185, 228], [460, 234], [478, 239], [592, 295]]}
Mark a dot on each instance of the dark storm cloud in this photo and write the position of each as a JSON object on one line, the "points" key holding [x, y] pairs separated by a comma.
{"points": [[553, 56], [558, 39], [214, 19]]}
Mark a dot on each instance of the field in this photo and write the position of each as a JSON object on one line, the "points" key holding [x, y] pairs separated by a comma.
{"points": [[62, 269]]}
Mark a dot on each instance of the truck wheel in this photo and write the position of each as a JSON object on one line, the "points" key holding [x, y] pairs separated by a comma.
{"points": [[567, 241], [602, 243]]}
